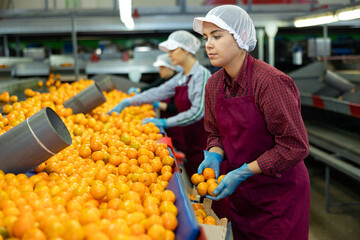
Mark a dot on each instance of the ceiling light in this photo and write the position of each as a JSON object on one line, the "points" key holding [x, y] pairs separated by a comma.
{"points": [[348, 13], [126, 13], [318, 19]]}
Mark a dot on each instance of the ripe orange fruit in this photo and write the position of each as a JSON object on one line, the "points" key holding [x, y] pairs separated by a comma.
{"points": [[23, 224], [211, 188], [167, 160], [156, 232], [123, 169], [220, 178], [145, 178], [208, 173], [34, 233], [202, 188], [131, 153], [169, 221], [169, 235], [211, 180], [167, 206], [98, 155], [168, 195], [98, 191], [197, 206], [115, 160], [197, 178], [209, 220], [73, 230], [166, 176]]}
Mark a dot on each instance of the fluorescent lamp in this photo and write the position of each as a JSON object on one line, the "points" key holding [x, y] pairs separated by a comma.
{"points": [[126, 13], [348, 13], [318, 19]]}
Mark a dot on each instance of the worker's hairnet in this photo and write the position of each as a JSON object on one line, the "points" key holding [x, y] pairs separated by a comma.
{"points": [[183, 39], [233, 19], [164, 60]]}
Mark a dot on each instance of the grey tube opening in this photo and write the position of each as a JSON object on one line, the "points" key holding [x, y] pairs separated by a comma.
{"points": [[106, 84], [86, 100], [33, 141]]}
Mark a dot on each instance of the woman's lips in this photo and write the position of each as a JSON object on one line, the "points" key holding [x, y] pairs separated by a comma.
{"points": [[211, 55]]}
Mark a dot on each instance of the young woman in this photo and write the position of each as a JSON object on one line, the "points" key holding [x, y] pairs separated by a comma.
{"points": [[252, 112], [167, 106], [188, 88]]}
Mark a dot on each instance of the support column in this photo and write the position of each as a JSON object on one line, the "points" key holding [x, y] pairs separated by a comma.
{"points": [[260, 38], [271, 30], [6, 46], [75, 50]]}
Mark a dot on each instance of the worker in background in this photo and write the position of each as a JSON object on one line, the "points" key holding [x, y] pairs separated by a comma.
{"points": [[167, 106], [253, 116], [188, 88]]}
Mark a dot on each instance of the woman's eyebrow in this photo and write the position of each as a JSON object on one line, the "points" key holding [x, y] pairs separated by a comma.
{"points": [[214, 31]]}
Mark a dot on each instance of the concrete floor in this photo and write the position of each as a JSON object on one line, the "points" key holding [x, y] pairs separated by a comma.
{"points": [[341, 222]]}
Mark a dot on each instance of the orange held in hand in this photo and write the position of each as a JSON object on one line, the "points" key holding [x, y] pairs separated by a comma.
{"points": [[208, 173], [202, 188], [197, 178], [211, 189], [220, 178]]}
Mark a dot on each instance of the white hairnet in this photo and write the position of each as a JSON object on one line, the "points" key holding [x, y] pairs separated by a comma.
{"points": [[233, 19], [183, 39], [163, 60]]}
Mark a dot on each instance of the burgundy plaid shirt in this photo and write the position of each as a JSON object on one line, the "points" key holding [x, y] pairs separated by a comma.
{"points": [[278, 99]]}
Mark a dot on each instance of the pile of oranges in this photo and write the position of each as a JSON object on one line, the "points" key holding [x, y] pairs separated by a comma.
{"points": [[202, 216], [206, 183], [109, 184]]}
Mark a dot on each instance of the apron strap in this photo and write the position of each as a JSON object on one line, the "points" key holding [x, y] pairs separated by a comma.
{"points": [[188, 79]]}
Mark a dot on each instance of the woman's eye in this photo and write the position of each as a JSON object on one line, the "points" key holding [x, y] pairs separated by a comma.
{"points": [[217, 37]]}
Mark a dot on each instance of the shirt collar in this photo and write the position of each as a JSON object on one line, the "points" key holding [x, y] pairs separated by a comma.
{"points": [[194, 68], [240, 79]]}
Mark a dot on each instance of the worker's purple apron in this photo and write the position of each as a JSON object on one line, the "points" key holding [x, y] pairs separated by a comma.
{"points": [[195, 136], [262, 207], [175, 133]]}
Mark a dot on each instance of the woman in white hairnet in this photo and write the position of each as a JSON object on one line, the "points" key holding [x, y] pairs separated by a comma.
{"points": [[252, 113], [167, 106], [188, 88]]}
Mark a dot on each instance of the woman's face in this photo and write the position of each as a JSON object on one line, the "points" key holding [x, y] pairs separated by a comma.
{"points": [[178, 56], [221, 46], [166, 72]]}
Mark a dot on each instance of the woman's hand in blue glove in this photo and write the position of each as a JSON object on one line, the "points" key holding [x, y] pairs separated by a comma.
{"points": [[159, 122], [118, 108], [211, 160], [231, 181], [156, 105], [133, 89]]}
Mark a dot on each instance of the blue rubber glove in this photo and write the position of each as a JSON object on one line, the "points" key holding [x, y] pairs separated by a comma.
{"points": [[231, 181], [118, 108], [156, 105], [211, 160], [133, 89], [159, 122]]}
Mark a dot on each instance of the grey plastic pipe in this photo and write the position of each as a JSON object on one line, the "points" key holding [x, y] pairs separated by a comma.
{"points": [[33, 141], [337, 82], [86, 100], [106, 84]]}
